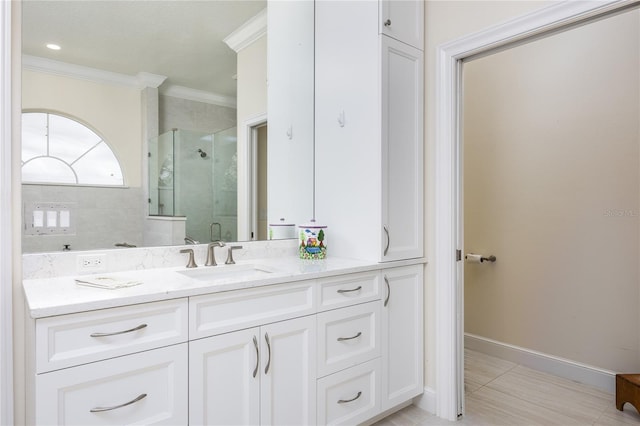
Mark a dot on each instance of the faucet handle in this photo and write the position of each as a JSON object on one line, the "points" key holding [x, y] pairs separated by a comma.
{"points": [[191, 263], [230, 260]]}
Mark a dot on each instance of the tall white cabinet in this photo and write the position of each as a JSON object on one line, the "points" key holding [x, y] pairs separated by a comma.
{"points": [[369, 127]]}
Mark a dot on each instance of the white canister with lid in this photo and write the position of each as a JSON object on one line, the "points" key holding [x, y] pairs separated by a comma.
{"points": [[313, 240], [282, 230]]}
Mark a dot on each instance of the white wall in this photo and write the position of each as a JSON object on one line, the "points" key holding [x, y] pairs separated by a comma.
{"points": [[552, 185], [252, 102], [446, 21]]}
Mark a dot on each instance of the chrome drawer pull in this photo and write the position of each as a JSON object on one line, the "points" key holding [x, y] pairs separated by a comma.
{"points": [[340, 339], [266, 337], [344, 401], [140, 327], [255, 343], [386, 301], [350, 290], [386, 249], [101, 409]]}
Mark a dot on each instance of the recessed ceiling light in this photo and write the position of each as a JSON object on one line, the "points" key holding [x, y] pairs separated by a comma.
{"points": [[53, 46]]}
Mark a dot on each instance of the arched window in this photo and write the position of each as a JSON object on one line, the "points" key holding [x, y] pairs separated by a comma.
{"points": [[57, 149]]}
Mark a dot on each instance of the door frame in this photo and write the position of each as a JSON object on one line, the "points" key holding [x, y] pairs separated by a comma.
{"points": [[251, 127], [7, 125], [448, 208]]}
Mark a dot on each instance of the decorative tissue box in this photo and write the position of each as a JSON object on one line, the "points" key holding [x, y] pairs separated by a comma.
{"points": [[313, 241]]}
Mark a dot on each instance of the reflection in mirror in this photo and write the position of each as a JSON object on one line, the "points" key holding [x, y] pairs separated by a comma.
{"points": [[198, 67], [193, 182]]}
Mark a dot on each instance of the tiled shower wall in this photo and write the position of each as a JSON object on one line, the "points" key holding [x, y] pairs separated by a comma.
{"points": [[103, 217]]}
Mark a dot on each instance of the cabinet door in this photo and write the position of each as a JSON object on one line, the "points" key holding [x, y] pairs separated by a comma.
{"points": [[347, 126], [402, 151], [224, 379], [288, 364], [290, 110], [403, 20], [402, 335], [147, 388]]}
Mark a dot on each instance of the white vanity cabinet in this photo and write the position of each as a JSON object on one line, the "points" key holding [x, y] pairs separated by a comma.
{"points": [[402, 335], [263, 375], [369, 129], [338, 349], [259, 364], [145, 388], [125, 365]]}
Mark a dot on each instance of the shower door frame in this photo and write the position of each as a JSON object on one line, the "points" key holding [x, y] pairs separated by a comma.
{"points": [[448, 196]]}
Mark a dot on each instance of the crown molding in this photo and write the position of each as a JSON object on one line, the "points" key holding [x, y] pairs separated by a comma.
{"points": [[248, 32], [139, 81], [50, 66], [147, 79], [198, 96]]}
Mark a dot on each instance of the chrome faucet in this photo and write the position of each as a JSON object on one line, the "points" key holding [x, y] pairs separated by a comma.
{"points": [[189, 240], [211, 256], [191, 263], [230, 260]]}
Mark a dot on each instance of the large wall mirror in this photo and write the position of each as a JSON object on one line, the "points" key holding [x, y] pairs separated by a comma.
{"points": [[201, 146]]}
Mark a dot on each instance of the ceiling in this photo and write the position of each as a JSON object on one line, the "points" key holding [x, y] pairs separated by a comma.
{"points": [[180, 39]]}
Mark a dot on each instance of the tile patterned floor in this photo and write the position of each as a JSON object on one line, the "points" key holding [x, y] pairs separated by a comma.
{"points": [[501, 393]]}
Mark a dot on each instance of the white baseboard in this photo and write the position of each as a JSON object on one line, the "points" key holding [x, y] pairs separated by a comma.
{"points": [[426, 401], [572, 370]]}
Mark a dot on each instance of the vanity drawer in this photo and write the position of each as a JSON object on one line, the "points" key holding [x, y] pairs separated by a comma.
{"points": [[347, 337], [346, 290], [219, 313], [146, 388], [68, 340], [351, 396]]}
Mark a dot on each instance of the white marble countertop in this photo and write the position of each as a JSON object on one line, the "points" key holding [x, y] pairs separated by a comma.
{"points": [[61, 295]]}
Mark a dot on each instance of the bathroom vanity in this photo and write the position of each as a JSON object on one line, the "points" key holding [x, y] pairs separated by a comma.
{"points": [[272, 339], [280, 341]]}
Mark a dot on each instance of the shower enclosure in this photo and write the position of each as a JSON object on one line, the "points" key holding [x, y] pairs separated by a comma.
{"points": [[194, 175]]}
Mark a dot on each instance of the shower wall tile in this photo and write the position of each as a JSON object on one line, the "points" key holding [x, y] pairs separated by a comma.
{"points": [[177, 113], [103, 217]]}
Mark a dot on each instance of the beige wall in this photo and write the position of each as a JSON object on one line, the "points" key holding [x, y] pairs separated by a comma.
{"points": [[113, 111], [446, 21], [551, 155], [251, 101]]}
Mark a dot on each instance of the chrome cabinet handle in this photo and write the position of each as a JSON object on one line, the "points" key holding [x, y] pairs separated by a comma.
{"points": [[344, 401], [386, 231], [387, 23], [350, 290], [386, 301], [340, 339], [266, 337], [255, 343], [115, 333], [115, 407]]}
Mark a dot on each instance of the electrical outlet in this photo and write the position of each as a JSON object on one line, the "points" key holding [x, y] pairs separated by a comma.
{"points": [[92, 263]]}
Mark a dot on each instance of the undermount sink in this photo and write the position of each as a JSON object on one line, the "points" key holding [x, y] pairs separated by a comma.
{"points": [[210, 273]]}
